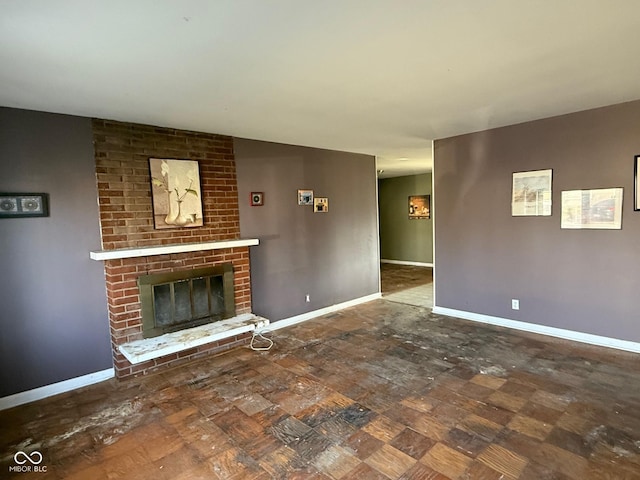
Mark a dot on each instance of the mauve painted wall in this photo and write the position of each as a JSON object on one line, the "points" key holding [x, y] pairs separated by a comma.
{"points": [[331, 256], [402, 238], [53, 313], [580, 280]]}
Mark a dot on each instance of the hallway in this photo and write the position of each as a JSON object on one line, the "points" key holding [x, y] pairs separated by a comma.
{"points": [[407, 284]]}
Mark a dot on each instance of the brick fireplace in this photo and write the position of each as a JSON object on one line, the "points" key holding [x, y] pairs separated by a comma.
{"points": [[122, 152]]}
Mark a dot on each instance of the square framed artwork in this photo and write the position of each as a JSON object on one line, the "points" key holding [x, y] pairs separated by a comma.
{"points": [[531, 193], [320, 205], [13, 205], [176, 195], [305, 197], [257, 199], [419, 207]]}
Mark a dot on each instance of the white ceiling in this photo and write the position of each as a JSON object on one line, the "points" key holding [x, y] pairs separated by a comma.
{"points": [[377, 77]]}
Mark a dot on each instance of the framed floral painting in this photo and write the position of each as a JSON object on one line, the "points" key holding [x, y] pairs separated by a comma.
{"points": [[176, 193]]}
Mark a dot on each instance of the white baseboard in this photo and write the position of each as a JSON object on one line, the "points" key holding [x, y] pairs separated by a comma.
{"points": [[403, 262], [85, 380], [287, 322], [55, 388], [542, 329]]}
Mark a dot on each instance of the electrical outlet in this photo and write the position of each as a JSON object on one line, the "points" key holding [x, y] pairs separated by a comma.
{"points": [[306, 298], [515, 304]]}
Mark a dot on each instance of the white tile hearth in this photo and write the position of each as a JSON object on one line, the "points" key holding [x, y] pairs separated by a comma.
{"points": [[150, 348]]}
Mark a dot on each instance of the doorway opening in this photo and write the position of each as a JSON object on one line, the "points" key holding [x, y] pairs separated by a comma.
{"points": [[406, 237], [408, 284]]}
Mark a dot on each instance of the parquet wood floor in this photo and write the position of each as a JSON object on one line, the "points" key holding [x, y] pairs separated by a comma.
{"points": [[378, 391]]}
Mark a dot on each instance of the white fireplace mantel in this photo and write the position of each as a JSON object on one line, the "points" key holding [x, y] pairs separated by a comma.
{"points": [[115, 254]]}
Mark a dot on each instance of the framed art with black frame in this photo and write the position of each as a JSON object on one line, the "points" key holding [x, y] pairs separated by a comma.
{"points": [[13, 205], [636, 183]]}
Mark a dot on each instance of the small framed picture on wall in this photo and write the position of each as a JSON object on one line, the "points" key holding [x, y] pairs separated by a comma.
{"points": [[257, 199], [24, 205], [305, 197], [320, 204], [599, 208], [531, 193], [419, 207]]}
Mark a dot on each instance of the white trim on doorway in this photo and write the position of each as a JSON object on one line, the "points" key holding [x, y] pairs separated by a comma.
{"points": [[433, 216]]}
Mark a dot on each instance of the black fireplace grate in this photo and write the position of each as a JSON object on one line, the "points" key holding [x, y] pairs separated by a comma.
{"points": [[184, 299]]}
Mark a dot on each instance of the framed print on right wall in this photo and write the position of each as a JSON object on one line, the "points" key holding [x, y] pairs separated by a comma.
{"points": [[636, 183], [599, 208]]}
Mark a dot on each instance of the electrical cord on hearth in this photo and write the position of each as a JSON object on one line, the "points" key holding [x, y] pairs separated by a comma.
{"points": [[260, 335]]}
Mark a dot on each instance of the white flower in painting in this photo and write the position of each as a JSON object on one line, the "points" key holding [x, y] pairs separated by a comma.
{"points": [[191, 175], [162, 181]]}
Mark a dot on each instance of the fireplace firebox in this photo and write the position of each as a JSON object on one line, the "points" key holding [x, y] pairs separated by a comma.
{"points": [[184, 299]]}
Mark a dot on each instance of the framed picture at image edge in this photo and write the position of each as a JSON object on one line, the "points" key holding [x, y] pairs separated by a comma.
{"points": [[636, 183], [24, 205]]}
